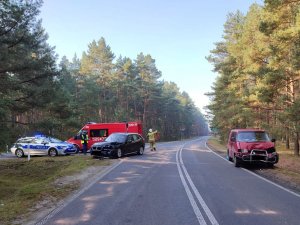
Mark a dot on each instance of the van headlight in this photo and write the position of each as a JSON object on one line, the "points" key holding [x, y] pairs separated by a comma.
{"points": [[244, 150]]}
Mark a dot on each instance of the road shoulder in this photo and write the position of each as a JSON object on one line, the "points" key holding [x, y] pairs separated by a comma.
{"points": [[285, 173], [47, 207]]}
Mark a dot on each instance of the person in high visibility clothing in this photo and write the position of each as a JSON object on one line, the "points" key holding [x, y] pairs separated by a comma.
{"points": [[84, 141], [151, 138]]}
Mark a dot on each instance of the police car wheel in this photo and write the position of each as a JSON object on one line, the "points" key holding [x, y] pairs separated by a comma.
{"points": [[77, 149], [141, 151], [19, 153], [119, 153], [52, 152]]}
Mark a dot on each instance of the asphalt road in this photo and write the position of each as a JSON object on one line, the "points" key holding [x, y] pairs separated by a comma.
{"points": [[183, 183]]}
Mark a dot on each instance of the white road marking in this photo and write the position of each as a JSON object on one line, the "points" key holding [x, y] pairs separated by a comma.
{"points": [[277, 185], [189, 194], [254, 174], [182, 169], [199, 197]]}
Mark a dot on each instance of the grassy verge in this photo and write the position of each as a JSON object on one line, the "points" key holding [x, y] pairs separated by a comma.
{"points": [[24, 183], [286, 172], [216, 144]]}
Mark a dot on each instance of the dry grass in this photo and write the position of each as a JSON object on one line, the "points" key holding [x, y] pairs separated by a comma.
{"points": [[218, 146], [286, 172], [24, 184]]}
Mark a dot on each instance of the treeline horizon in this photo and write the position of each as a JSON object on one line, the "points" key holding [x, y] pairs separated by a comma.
{"points": [[258, 62], [38, 93]]}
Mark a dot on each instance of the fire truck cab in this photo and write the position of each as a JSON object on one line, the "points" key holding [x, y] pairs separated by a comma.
{"points": [[97, 132]]}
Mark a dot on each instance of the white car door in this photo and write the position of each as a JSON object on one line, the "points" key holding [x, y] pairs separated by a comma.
{"points": [[27, 145], [40, 146]]}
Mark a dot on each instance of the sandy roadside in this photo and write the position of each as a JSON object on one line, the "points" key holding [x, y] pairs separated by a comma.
{"points": [[47, 207]]}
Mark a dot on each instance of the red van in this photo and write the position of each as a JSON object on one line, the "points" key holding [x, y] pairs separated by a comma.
{"points": [[97, 132], [252, 146]]}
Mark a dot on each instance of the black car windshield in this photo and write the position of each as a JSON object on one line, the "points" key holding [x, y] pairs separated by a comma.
{"points": [[252, 136], [120, 138]]}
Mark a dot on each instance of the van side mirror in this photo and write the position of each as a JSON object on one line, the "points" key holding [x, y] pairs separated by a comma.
{"points": [[233, 139], [75, 137], [273, 139]]}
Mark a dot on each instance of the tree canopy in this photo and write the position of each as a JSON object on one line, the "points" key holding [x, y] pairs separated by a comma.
{"points": [[38, 93], [258, 66]]}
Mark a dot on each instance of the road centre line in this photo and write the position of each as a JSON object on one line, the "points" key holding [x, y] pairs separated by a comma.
{"points": [[182, 170], [254, 174], [198, 195], [189, 194]]}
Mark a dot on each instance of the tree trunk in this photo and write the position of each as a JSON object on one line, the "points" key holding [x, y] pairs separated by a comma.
{"points": [[287, 139], [145, 111], [296, 147]]}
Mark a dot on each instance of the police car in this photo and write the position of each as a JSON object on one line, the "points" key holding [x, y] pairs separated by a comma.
{"points": [[41, 145]]}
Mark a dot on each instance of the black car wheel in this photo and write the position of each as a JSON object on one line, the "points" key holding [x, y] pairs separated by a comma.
{"points": [[19, 153], [119, 153], [52, 152], [141, 151]]}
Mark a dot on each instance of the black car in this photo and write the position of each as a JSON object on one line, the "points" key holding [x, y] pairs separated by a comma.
{"points": [[119, 144]]}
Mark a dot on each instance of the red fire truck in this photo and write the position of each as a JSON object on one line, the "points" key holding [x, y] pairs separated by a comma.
{"points": [[97, 132]]}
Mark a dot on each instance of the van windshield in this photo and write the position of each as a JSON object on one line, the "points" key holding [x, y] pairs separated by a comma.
{"points": [[252, 136]]}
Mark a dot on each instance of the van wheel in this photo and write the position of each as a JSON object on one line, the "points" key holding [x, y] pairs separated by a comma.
{"points": [[119, 153], [236, 161], [228, 156]]}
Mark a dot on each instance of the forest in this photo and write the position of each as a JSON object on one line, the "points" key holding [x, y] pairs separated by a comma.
{"points": [[258, 66], [39, 92]]}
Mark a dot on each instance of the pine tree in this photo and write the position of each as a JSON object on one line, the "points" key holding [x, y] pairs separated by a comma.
{"points": [[27, 64], [97, 66], [282, 26]]}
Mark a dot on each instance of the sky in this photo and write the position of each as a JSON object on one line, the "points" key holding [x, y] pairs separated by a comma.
{"points": [[178, 34]]}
